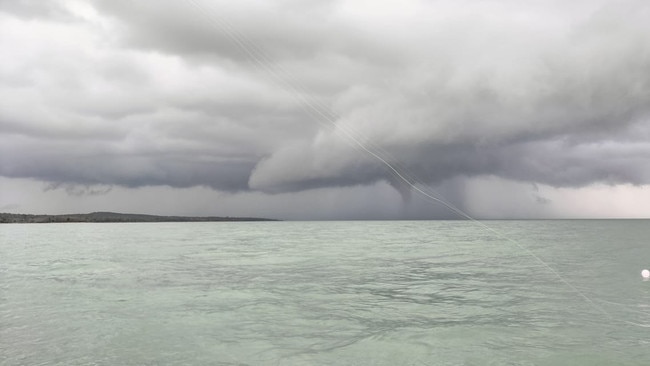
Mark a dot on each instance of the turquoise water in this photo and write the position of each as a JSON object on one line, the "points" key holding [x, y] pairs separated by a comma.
{"points": [[325, 293]]}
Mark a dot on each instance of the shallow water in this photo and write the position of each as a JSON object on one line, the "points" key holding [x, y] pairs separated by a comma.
{"points": [[325, 293]]}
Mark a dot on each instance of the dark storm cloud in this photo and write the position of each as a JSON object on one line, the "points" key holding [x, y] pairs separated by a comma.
{"points": [[561, 117], [141, 93]]}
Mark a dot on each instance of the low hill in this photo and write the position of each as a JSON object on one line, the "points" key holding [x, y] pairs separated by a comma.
{"points": [[115, 217]]}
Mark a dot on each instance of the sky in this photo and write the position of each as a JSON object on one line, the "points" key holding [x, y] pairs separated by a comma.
{"points": [[305, 109]]}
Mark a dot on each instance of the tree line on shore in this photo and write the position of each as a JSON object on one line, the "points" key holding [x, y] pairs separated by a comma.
{"points": [[115, 217]]}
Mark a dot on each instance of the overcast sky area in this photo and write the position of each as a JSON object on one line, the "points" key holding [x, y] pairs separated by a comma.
{"points": [[296, 109]]}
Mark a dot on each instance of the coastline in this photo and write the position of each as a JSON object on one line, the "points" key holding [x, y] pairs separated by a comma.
{"points": [[107, 217]]}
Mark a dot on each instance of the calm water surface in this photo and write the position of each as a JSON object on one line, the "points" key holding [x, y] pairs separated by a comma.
{"points": [[325, 293]]}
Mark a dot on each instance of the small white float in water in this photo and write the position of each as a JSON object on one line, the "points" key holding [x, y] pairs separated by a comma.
{"points": [[645, 273]]}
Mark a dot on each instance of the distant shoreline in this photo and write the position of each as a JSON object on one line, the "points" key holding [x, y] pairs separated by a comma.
{"points": [[10, 218]]}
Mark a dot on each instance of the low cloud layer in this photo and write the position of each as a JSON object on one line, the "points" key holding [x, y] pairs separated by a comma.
{"points": [[287, 96]]}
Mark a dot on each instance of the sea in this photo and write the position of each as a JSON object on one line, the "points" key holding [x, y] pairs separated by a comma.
{"points": [[552, 292]]}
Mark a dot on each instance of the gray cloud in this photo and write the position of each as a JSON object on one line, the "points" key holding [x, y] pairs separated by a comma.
{"points": [[34, 9], [155, 93], [80, 190]]}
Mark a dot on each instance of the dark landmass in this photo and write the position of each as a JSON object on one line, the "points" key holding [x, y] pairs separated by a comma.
{"points": [[115, 217]]}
